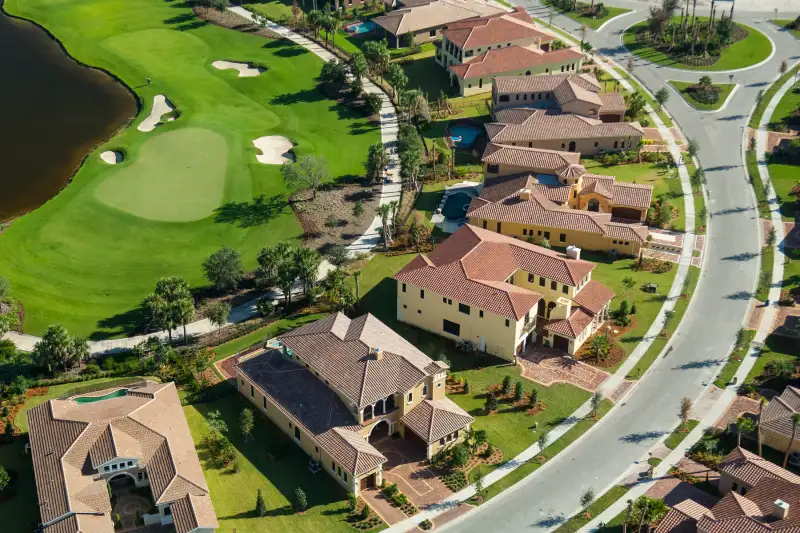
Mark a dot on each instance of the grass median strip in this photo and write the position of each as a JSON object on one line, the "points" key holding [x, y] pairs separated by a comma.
{"points": [[680, 433], [735, 360], [602, 503]]}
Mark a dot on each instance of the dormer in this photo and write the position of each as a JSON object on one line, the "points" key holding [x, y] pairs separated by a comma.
{"points": [[114, 450]]}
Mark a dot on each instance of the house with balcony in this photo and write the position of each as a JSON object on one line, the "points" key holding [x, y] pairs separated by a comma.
{"points": [[569, 93], [533, 194], [502, 294], [339, 387], [758, 497], [85, 446]]}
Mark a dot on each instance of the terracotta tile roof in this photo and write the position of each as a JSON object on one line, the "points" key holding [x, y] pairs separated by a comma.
{"points": [[535, 159], [777, 415], [434, 14], [544, 83], [69, 440], [494, 29], [340, 349], [683, 518], [597, 187], [435, 419], [622, 194], [511, 58], [541, 211], [571, 327], [473, 264], [192, 512], [594, 296], [612, 102], [750, 468], [569, 91], [529, 124], [314, 407]]}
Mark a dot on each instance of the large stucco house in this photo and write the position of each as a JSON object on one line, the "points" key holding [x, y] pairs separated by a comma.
{"points": [[533, 194], [776, 421], [501, 294], [569, 93], [136, 434], [339, 386], [553, 129], [758, 497]]}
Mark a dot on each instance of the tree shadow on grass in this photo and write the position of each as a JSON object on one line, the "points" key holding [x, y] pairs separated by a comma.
{"points": [[306, 95], [293, 51], [250, 214], [125, 323]]}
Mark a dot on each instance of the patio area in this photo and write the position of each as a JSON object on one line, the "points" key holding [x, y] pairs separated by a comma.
{"points": [[131, 503], [547, 366]]}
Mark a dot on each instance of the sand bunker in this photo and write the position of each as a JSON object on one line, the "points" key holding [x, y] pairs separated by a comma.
{"points": [[245, 70], [161, 107], [111, 157], [275, 149]]}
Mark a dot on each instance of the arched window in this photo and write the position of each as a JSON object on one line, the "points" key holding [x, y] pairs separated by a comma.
{"points": [[528, 73], [572, 146]]}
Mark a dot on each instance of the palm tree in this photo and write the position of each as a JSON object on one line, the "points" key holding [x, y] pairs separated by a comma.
{"points": [[761, 404], [383, 211], [743, 425], [600, 347], [584, 29], [795, 423], [356, 277], [628, 510]]}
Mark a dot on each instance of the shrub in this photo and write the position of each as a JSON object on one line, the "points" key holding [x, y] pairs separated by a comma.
{"points": [[5, 479], [352, 502], [459, 456], [506, 389], [491, 402], [261, 507], [7, 349], [425, 525], [467, 387], [390, 490], [518, 391], [488, 451], [91, 370], [300, 500], [331, 221], [365, 512], [399, 499]]}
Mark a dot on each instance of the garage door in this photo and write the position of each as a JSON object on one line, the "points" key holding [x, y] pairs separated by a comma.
{"points": [[368, 482], [561, 343]]}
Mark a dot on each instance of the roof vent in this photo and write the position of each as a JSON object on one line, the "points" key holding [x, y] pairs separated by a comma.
{"points": [[525, 194], [573, 252], [780, 510], [378, 353]]}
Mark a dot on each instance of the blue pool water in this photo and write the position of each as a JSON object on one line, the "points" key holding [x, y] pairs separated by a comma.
{"points": [[547, 179], [91, 399], [361, 27], [464, 136], [455, 207]]}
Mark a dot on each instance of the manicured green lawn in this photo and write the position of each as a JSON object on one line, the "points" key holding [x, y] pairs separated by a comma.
{"points": [[767, 97], [274, 10], [734, 361], [595, 22], [271, 462], [679, 433], [21, 511], [782, 23], [88, 265], [758, 186], [682, 88], [784, 176], [786, 107], [428, 76], [267, 332], [755, 48], [602, 503]]}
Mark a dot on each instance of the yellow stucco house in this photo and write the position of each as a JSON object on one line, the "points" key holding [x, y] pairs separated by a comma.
{"points": [[501, 294], [535, 194], [339, 387], [776, 421]]}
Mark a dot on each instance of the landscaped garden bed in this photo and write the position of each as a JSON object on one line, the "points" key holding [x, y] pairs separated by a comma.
{"points": [[397, 499], [703, 95]]}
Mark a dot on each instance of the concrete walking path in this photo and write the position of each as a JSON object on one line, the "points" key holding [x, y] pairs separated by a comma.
{"points": [[391, 190]]}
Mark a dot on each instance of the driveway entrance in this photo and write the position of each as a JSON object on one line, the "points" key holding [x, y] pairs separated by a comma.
{"points": [[408, 468]]}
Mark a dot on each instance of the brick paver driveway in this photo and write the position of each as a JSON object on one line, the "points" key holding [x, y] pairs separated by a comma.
{"points": [[408, 468], [547, 366]]}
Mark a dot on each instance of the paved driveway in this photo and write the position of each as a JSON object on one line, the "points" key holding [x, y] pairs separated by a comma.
{"points": [[407, 467]]}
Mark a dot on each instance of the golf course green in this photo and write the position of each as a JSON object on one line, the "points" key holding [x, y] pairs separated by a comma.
{"points": [[88, 257]]}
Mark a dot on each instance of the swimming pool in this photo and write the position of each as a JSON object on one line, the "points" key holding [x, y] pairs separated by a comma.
{"points": [[463, 136], [361, 27], [90, 399], [455, 207]]}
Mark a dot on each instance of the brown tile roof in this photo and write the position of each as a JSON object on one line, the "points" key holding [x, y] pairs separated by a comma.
{"points": [[473, 264], [571, 327], [535, 159], [750, 468], [683, 518], [510, 58], [494, 29], [544, 83], [69, 440], [529, 124], [777, 415], [435, 419], [569, 91], [612, 103], [340, 349], [754, 513], [594, 296], [541, 211], [314, 407], [434, 14]]}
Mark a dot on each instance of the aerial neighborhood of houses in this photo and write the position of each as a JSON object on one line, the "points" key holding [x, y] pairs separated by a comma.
{"points": [[405, 254]]}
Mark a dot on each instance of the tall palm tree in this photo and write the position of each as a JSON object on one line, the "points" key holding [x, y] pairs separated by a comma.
{"points": [[356, 278], [795, 423], [761, 405], [383, 211]]}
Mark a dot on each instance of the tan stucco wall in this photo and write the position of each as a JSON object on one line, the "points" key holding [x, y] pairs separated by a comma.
{"points": [[583, 202], [778, 441], [429, 313], [581, 239], [584, 146], [470, 86]]}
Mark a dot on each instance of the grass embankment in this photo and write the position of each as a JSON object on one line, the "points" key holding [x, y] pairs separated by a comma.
{"points": [[734, 361], [784, 23], [682, 87], [753, 49], [87, 258], [602, 503], [591, 22], [680, 433]]}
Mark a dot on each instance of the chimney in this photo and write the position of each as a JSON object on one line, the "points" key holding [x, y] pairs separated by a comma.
{"points": [[378, 353], [525, 194], [780, 510], [573, 252]]}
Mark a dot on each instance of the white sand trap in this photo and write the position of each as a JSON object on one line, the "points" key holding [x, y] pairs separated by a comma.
{"points": [[161, 107], [276, 150], [111, 157], [245, 70]]}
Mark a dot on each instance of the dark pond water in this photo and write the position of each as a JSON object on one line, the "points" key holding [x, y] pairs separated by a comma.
{"points": [[53, 111]]}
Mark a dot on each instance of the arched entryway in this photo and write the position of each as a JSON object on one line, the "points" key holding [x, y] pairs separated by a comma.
{"points": [[540, 310], [379, 431], [550, 307], [593, 205], [571, 146]]}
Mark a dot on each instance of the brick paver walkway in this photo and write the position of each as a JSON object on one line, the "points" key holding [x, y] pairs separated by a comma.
{"points": [[740, 406], [547, 366], [390, 515], [408, 468]]}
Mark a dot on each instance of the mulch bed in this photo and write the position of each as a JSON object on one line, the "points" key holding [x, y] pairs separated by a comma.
{"points": [[615, 356], [328, 219], [227, 19], [15, 409]]}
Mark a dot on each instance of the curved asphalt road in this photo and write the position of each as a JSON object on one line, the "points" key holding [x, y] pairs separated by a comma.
{"points": [[703, 340]]}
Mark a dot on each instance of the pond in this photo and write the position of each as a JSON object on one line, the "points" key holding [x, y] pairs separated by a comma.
{"points": [[54, 111], [463, 135]]}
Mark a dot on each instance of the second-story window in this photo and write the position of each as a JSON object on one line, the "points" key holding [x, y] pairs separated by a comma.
{"points": [[565, 289], [541, 282], [464, 309], [425, 390], [553, 285], [410, 397], [422, 293], [531, 277]]}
